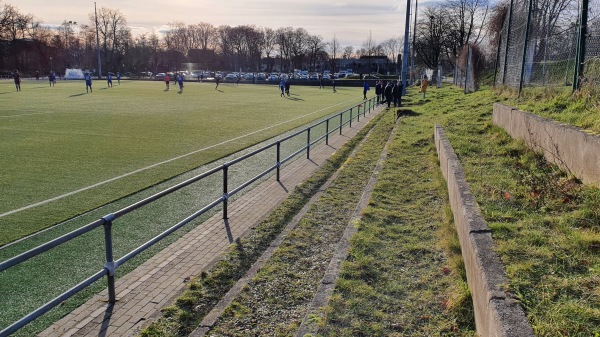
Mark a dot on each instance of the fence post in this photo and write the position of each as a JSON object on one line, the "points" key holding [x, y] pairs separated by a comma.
{"points": [[358, 113], [350, 117], [327, 131], [341, 122], [581, 45], [467, 67], [278, 158], [497, 59], [308, 143], [510, 11], [525, 45], [225, 193], [110, 264]]}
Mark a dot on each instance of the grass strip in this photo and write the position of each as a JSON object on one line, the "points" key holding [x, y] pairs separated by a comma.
{"points": [[404, 275], [275, 301], [205, 292], [545, 223]]}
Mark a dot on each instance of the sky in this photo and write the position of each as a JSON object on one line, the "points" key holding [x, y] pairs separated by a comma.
{"points": [[350, 21]]}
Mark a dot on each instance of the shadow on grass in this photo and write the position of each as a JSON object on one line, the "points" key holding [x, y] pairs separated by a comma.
{"points": [[406, 112], [83, 93]]}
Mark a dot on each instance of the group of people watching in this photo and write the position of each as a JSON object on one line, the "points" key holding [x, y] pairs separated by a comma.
{"points": [[389, 92]]}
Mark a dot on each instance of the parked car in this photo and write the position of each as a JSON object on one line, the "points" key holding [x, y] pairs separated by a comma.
{"points": [[273, 77], [159, 76], [232, 77]]}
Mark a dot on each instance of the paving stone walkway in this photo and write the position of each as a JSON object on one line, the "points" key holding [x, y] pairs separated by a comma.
{"points": [[157, 282]]}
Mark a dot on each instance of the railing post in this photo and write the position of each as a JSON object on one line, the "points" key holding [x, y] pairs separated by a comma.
{"points": [[225, 195], [350, 117], [110, 264], [308, 143], [358, 112], [327, 131], [341, 122], [278, 158]]}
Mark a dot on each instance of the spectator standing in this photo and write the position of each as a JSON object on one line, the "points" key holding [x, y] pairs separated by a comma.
{"points": [[378, 90], [365, 89], [333, 83], [397, 94], [388, 92], [17, 78], [424, 84], [119, 77]]}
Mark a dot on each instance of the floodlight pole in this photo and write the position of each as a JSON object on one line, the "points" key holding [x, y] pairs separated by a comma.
{"points": [[405, 54], [412, 52], [97, 42]]}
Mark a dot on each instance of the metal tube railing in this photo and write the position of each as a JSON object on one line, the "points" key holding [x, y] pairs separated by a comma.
{"points": [[51, 304], [169, 231], [107, 221], [49, 245]]}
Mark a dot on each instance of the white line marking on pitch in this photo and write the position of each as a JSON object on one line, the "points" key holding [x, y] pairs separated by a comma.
{"points": [[157, 164]]}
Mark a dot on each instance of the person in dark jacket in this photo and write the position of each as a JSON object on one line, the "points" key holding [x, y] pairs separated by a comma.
{"points": [[17, 78], [388, 92], [365, 89], [378, 91], [397, 94]]}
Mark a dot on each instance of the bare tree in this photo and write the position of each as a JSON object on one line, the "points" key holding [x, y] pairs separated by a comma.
{"points": [[433, 37], [334, 48], [270, 42], [14, 28], [467, 19], [348, 52], [178, 37], [369, 46], [284, 41], [391, 48], [315, 46], [298, 47], [114, 34], [369, 49]]}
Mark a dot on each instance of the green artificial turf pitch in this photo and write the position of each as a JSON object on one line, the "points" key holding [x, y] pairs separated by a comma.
{"points": [[65, 151]]}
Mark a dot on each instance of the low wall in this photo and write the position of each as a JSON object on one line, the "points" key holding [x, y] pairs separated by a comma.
{"points": [[496, 312], [564, 145]]}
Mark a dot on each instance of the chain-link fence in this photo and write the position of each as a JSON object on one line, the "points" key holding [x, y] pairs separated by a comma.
{"points": [[545, 43]]}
